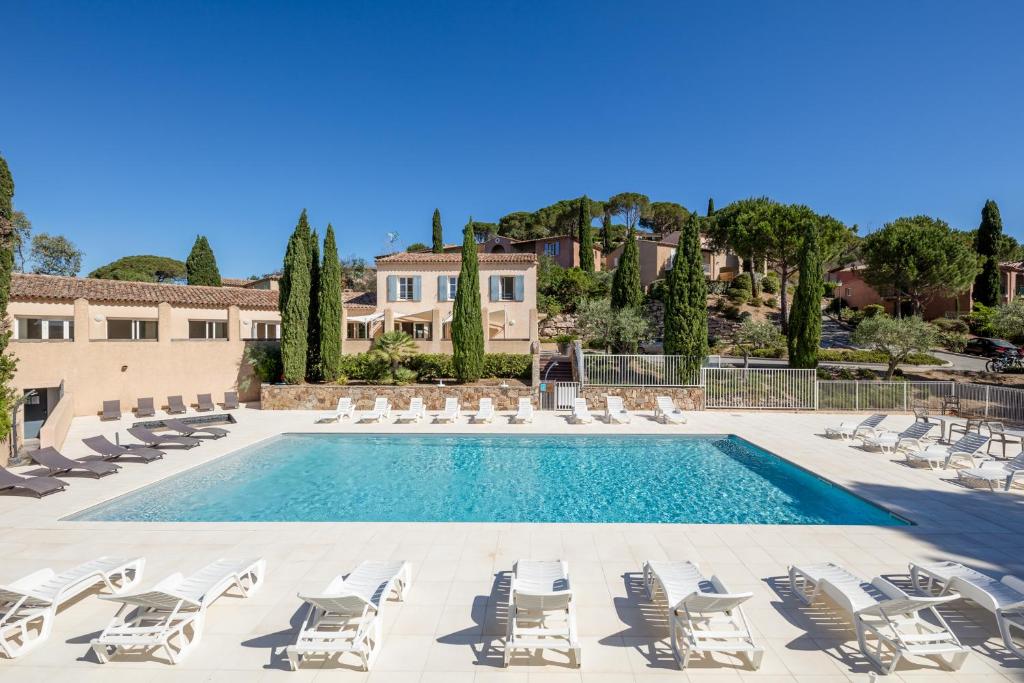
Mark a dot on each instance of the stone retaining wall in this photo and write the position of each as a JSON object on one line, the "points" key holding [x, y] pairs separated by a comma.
{"points": [[643, 398], [325, 396]]}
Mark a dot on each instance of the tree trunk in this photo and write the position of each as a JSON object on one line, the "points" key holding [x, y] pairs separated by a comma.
{"points": [[783, 287], [891, 370]]}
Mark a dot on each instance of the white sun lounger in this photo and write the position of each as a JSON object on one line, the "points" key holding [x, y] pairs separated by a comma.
{"points": [[887, 620], [525, 411], [995, 472], [541, 609], [580, 412], [936, 456], [451, 411], [29, 605], [380, 412], [890, 442], [1003, 598], [415, 413], [345, 408], [703, 616], [667, 412], [346, 616], [852, 430], [171, 615], [614, 411], [485, 412]]}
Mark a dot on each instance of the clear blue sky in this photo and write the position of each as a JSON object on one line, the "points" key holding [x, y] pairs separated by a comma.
{"points": [[131, 127]]}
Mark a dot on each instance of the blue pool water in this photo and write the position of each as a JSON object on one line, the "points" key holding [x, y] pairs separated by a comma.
{"points": [[496, 478]]}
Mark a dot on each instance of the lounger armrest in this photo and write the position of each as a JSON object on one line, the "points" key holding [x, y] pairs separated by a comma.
{"points": [[910, 443], [991, 464], [1017, 585], [960, 455]]}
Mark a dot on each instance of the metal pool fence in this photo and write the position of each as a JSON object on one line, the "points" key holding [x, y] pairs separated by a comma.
{"points": [[626, 370], [760, 388]]}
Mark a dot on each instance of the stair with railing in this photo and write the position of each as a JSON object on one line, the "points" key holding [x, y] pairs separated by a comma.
{"points": [[555, 367]]}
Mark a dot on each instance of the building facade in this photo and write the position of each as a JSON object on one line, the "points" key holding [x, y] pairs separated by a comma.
{"points": [[849, 285], [416, 294], [564, 250], [657, 256]]}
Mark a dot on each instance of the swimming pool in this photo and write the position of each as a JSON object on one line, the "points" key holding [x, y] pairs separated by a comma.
{"points": [[708, 479]]}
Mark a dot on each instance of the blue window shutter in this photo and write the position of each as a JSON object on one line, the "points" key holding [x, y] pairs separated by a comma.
{"points": [[442, 288], [392, 288], [416, 288], [495, 288], [518, 293]]}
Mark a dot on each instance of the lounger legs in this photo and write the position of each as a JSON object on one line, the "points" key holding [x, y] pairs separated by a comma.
{"points": [[1006, 631], [16, 636]]}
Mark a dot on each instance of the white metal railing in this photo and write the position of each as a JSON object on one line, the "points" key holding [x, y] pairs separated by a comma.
{"points": [[559, 395], [631, 370], [760, 388], [877, 396]]}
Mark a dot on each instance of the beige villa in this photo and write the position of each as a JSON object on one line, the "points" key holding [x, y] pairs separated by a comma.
{"points": [[416, 294], [656, 256], [81, 341]]}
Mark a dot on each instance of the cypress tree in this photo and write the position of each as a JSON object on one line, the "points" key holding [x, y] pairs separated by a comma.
{"points": [[329, 310], [294, 303], [686, 319], [8, 364], [201, 265], [803, 336], [438, 233], [467, 326], [711, 206], [313, 324], [586, 237], [606, 234], [986, 284], [627, 292]]}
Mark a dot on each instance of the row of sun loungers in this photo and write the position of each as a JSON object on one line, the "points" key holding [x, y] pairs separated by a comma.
{"points": [[977, 467], [615, 413], [704, 616], [175, 406], [147, 450]]}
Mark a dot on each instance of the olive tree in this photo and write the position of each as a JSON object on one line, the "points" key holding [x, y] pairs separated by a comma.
{"points": [[897, 338], [757, 334]]}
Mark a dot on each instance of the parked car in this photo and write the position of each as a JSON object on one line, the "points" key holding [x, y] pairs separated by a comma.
{"points": [[652, 346], [991, 348]]}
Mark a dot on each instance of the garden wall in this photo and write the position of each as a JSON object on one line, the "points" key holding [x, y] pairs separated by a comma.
{"points": [[325, 396], [643, 398]]}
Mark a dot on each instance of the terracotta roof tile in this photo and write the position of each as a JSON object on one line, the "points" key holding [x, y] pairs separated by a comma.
{"points": [[353, 299], [26, 286], [430, 257]]}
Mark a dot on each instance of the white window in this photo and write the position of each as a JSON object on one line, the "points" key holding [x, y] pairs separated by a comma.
{"points": [[357, 331], [551, 248], [453, 287], [670, 260], [406, 289], [131, 329], [849, 292], [49, 329], [207, 329], [266, 330], [507, 289]]}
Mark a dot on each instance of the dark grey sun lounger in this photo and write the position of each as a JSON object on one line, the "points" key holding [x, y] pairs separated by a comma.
{"points": [[195, 430], [40, 486], [230, 400], [110, 450], [175, 406], [145, 407], [154, 440], [204, 403], [52, 460], [111, 410]]}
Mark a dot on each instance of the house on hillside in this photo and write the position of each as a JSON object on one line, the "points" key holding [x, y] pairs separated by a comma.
{"points": [[850, 286], [656, 256], [562, 249]]}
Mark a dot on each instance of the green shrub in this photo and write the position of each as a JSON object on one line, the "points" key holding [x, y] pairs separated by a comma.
{"points": [[755, 302], [741, 283], [778, 352], [871, 310], [658, 290], [953, 341], [866, 373], [770, 283], [738, 296], [731, 312], [746, 315], [717, 286], [952, 325], [363, 367], [565, 338], [869, 356], [846, 373], [432, 366], [508, 365], [771, 302], [265, 360], [404, 376]]}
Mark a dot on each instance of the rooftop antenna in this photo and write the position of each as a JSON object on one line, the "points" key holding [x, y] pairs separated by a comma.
{"points": [[392, 238]]}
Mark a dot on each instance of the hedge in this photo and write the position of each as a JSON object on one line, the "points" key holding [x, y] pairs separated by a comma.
{"points": [[869, 356], [433, 366]]}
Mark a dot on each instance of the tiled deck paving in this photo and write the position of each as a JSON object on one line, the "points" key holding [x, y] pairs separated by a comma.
{"points": [[450, 628]]}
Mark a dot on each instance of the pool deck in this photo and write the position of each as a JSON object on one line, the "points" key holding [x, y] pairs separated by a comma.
{"points": [[451, 628]]}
